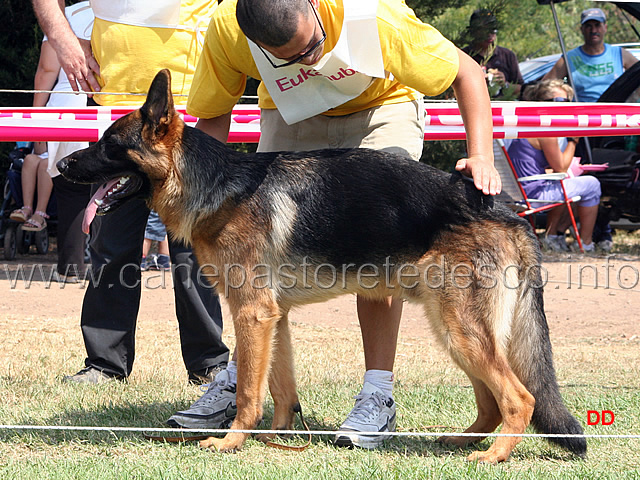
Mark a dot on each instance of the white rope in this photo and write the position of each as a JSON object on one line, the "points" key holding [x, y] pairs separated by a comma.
{"points": [[217, 431], [82, 92]]}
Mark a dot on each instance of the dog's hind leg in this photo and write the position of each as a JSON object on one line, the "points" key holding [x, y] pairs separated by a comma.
{"points": [[489, 417], [282, 382], [470, 331], [515, 404], [254, 318]]}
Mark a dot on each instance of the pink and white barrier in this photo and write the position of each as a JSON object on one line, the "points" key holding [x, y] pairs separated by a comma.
{"points": [[442, 121], [89, 123]]}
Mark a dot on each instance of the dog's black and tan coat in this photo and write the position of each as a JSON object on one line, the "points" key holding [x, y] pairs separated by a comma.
{"points": [[277, 230]]}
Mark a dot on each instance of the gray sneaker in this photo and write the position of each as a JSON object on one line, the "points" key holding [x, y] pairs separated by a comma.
{"points": [[605, 245], [91, 375], [373, 412], [215, 409], [556, 243]]}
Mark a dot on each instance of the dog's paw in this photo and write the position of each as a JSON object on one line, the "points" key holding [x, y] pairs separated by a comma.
{"points": [[266, 437], [224, 445], [487, 457], [454, 441], [459, 441]]}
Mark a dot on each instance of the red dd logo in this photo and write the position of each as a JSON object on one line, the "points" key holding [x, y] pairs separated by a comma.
{"points": [[606, 417]]}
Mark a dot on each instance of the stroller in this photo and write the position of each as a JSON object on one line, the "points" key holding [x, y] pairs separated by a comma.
{"points": [[12, 236]]}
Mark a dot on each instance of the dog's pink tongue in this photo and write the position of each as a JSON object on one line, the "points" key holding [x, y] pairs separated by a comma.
{"points": [[92, 207], [89, 215]]}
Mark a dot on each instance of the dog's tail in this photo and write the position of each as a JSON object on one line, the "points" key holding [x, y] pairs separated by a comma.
{"points": [[531, 357]]}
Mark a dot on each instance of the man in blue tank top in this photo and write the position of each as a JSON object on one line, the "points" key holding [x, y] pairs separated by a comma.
{"points": [[595, 65]]}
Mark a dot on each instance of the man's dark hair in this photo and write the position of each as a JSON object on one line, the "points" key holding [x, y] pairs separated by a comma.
{"points": [[482, 22], [270, 22]]}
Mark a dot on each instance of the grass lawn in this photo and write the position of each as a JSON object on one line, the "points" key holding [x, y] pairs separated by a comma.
{"points": [[431, 393]]}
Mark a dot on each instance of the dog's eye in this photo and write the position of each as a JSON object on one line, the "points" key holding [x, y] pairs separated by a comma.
{"points": [[113, 148]]}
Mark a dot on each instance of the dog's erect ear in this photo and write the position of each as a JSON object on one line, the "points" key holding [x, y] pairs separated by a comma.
{"points": [[158, 110]]}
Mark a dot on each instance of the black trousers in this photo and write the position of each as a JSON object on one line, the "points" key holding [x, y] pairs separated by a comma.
{"points": [[112, 300], [72, 199]]}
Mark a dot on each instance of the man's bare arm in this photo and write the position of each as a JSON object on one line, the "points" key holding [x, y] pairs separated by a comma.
{"points": [[217, 127], [559, 70], [628, 59], [475, 107], [75, 56]]}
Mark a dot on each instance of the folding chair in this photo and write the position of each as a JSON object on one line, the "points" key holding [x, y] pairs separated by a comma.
{"points": [[516, 198]]}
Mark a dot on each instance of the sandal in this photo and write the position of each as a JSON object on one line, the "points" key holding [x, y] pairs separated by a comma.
{"points": [[36, 223], [21, 214]]}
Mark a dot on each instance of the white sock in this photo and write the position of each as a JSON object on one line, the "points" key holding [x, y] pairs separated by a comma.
{"points": [[232, 370], [381, 379]]}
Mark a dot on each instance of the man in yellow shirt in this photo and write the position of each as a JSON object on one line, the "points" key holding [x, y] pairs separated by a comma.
{"points": [[131, 41], [338, 73]]}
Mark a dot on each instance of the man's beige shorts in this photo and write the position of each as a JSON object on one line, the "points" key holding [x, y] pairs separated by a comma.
{"points": [[396, 128]]}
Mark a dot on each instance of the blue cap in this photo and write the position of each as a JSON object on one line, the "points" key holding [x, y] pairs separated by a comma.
{"points": [[593, 14]]}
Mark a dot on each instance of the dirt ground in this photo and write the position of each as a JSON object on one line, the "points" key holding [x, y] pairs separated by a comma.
{"points": [[586, 297]]}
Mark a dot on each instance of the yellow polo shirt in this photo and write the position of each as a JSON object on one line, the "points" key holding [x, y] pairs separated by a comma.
{"points": [[420, 59], [130, 56]]}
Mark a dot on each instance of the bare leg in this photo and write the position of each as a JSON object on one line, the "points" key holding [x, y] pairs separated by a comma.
{"points": [[588, 216], [29, 174], [557, 220], [379, 324], [146, 246], [163, 247], [45, 186]]}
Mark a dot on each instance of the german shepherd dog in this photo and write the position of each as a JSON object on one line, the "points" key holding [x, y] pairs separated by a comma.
{"points": [[278, 230]]}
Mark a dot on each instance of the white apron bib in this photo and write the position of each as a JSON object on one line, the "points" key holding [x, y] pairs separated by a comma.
{"points": [[145, 13], [142, 13], [301, 91]]}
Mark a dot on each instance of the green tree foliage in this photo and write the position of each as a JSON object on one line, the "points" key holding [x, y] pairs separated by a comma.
{"points": [[529, 29], [20, 41], [427, 10]]}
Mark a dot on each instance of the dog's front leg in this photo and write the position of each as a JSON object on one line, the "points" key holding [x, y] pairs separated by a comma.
{"points": [[254, 320], [282, 381]]}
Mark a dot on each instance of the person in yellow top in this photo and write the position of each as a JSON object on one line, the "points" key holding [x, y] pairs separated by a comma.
{"points": [[169, 35], [338, 73], [131, 41]]}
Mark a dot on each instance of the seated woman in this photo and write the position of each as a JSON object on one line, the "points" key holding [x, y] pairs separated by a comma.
{"points": [[34, 173], [532, 156]]}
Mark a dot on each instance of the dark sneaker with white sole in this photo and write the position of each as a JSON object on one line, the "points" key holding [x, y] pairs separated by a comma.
{"points": [[215, 409], [163, 262], [206, 375], [373, 412]]}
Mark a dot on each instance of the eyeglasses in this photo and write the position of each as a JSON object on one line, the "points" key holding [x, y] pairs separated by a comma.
{"points": [[308, 53], [557, 99]]}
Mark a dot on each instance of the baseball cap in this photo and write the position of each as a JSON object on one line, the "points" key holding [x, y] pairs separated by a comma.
{"points": [[483, 19], [593, 14]]}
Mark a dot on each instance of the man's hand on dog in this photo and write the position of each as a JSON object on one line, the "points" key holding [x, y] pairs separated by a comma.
{"points": [[484, 173]]}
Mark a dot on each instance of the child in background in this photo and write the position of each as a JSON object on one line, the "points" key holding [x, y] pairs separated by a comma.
{"points": [[155, 231]]}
